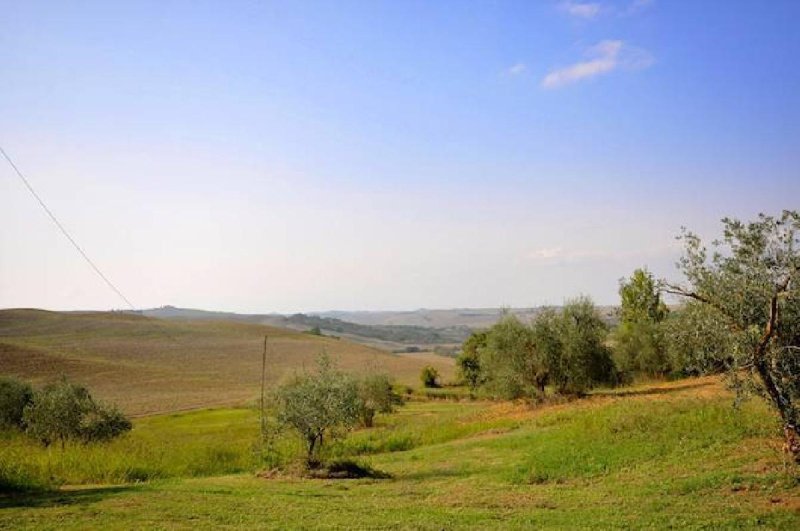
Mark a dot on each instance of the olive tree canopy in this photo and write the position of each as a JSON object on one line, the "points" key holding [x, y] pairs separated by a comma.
{"points": [[748, 283]]}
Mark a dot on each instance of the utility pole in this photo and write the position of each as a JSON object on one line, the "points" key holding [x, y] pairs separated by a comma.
{"points": [[263, 383]]}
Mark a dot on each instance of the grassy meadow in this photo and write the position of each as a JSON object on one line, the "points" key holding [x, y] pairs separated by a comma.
{"points": [[659, 455]]}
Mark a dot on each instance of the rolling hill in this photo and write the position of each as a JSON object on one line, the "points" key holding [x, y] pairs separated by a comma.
{"points": [[149, 365], [386, 336]]}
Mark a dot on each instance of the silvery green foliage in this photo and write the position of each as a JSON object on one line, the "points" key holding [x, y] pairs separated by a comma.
{"points": [[745, 293], [698, 341], [585, 360], [564, 349], [65, 411], [507, 358], [319, 405]]}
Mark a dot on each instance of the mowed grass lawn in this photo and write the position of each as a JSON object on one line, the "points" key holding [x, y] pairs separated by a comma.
{"points": [[671, 455]]}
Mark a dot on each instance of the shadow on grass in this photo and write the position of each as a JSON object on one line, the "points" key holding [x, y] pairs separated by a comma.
{"points": [[651, 390], [56, 498]]}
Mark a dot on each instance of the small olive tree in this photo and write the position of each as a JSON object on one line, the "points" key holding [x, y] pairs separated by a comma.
{"points": [[14, 396], [509, 359], [749, 286], [65, 411], [319, 405], [376, 395]]}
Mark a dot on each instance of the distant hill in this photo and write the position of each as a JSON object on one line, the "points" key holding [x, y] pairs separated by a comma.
{"points": [[391, 334], [152, 365], [389, 330], [473, 318]]}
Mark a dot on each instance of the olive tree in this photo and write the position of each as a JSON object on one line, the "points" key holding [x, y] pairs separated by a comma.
{"points": [[469, 362], [584, 361], [319, 405], [748, 283], [14, 396], [509, 358], [564, 348], [376, 395], [65, 411]]}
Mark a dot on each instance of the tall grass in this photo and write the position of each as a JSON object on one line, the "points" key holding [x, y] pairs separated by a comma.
{"points": [[183, 445]]}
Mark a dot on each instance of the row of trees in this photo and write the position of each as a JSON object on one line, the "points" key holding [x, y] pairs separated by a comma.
{"points": [[58, 412], [565, 350]]}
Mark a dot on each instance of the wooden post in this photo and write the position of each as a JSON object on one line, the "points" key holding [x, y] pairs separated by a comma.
{"points": [[263, 383]]}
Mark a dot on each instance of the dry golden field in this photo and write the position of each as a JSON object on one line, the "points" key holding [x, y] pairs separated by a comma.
{"points": [[148, 365]]}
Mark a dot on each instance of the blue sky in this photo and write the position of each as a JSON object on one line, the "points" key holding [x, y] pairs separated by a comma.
{"points": [[287, 156]]}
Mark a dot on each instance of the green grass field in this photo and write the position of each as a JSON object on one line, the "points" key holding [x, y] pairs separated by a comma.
{"points": [[668, 455]]}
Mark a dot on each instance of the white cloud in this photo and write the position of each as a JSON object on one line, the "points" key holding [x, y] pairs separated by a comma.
{"points": [[605, 57], [517, 69], [580, 9]]}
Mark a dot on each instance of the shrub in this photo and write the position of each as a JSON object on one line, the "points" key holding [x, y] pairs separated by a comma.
{"points": [[14, 396], [429, 376], [103, 423]]}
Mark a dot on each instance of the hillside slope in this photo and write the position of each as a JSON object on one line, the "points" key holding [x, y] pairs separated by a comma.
{"points": [[151, 365], [674, 455], [388, 336]]}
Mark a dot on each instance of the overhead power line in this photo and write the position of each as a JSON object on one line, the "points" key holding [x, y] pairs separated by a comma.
{"points": [[65, 232]]}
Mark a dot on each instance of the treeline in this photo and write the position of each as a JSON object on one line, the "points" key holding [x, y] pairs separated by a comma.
{"points": [[570, 350]]}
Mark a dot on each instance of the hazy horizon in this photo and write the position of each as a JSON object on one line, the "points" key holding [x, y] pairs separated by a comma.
{"points": [[286, 157]]}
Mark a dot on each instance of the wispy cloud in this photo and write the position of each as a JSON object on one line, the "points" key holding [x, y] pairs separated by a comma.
{"points": [[562, 256], [604, 57], [516, 69], [580, 9]]}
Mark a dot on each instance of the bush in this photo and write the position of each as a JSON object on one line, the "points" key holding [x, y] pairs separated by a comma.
{"points": [[14, 396], [429, 376], [103, 423]]}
